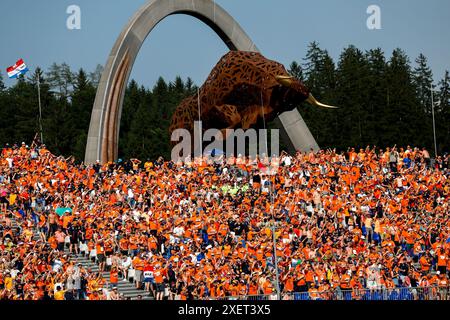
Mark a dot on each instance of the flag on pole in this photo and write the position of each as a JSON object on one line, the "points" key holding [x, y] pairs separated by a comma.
{"points": [[18, 69]]}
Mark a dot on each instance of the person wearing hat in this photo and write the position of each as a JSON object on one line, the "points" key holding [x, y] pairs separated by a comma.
{"points": [[114, 294], [23, 149]]}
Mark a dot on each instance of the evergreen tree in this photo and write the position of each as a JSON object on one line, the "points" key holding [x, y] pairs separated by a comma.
{"points": [[153, 116], [353, 73], [58, 116], [2, 84], [177, 92], [313, 64], [60, 78], [423, 80], [405, 122], [82, 100], [443, 114], [319, 72], [96, 75], [190, 87], [54, 78], [144, 140], [376, 103], [161, 98], [133, 97], [67, 77], [24, 108], [6, 126], [165, 100], [296, 71], [54, 75]]}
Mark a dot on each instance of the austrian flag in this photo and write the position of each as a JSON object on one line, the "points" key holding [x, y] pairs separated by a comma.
{"points": [[16, 70]]}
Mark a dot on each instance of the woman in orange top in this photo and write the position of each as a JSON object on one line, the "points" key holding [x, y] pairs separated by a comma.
{"points": [[159, 281], [442, 260], [113, 277]]}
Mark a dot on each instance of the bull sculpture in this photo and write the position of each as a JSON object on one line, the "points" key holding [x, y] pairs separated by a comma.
{"points": [[243, 89]]}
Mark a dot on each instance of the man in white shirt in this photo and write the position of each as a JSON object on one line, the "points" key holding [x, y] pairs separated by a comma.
{"points": [[178, 231], [125, 265], [10, 162], [287, 160]]}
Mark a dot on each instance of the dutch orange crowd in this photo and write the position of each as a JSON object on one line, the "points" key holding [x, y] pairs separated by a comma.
{"points": [[344, 222]]}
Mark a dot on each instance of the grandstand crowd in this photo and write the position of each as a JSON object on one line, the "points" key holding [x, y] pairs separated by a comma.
{"points": [[342, 221]]}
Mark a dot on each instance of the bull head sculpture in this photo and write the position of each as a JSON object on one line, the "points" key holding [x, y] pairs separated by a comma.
{"points": [[242, 89]]}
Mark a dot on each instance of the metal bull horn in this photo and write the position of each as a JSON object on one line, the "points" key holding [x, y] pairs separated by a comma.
{"points": [[287, 81], [312, 101]]}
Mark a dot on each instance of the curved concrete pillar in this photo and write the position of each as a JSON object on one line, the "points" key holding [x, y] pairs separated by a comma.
{"points": [[103, 137]]}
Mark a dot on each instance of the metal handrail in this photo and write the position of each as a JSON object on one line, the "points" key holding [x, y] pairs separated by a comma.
{"points": [[398, 293]]}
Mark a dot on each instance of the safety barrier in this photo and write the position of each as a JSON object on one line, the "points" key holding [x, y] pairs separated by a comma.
{"points": [[248, 298], [386, 294], [419, 293]]}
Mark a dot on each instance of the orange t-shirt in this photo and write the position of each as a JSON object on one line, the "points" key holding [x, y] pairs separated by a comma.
{"points": [[113, 276], [158, 273]]}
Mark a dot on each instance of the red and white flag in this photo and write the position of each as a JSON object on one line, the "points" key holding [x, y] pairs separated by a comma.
{"points": [[16, 70]]}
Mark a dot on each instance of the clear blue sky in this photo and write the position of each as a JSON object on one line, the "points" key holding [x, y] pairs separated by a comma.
{"points": [[35, 30]]}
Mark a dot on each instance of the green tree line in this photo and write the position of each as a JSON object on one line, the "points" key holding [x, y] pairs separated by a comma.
{"points": [[382, 101]]}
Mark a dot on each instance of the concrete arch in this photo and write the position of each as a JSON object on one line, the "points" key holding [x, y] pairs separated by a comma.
{"points": [[103, 136]]}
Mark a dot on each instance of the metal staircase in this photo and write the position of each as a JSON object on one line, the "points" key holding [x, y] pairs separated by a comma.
{"points": [[126, 287]]}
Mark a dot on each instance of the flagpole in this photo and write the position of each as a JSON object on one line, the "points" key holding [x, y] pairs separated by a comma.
{"points": [[199, 120], [40, 108], [434, 123]]}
